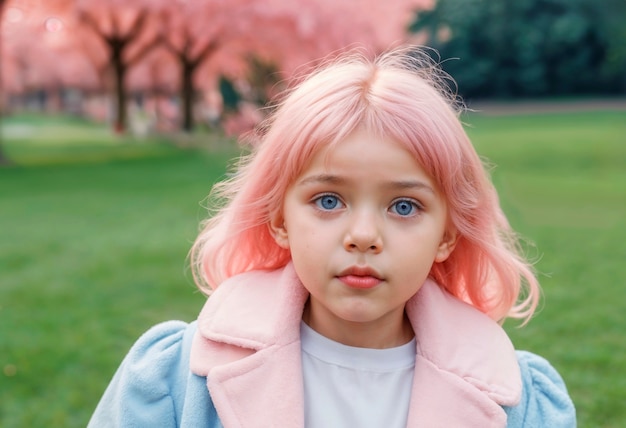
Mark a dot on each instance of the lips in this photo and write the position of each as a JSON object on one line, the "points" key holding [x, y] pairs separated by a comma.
{"points": [[360, 277]]}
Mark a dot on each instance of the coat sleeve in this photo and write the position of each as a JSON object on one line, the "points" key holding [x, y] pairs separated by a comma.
{"points": [[148, 387], [545, 401]]}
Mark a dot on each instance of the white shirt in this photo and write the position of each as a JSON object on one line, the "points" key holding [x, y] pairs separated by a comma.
{"points": [[349, 387]]}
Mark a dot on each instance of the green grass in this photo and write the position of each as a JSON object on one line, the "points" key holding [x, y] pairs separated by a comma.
{"points": [[91, 254], [562, 182], [93, 251], [36, 140]]}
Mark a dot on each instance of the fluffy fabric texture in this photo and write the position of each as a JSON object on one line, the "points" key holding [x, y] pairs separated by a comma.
{"points": [[248, 341], [154, 387], [545, 401], [239, 366]]}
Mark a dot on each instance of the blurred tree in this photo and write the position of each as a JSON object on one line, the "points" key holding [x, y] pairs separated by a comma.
{"points": [[186, 35], [126, 29], [41, 55], [612, 15], [236, 35], [3, 158], [528, 47], [136, 42], [23, 43]]}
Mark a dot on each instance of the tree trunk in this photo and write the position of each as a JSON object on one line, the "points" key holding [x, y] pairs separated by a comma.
{"points": [[187, 94], [119, 75]]}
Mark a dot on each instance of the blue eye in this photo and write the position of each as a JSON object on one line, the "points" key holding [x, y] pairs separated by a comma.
{"points": [[328, 202], [404, 207]]}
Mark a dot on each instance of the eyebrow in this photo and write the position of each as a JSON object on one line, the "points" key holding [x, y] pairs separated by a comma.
{"points": [[410, 184], [393, 185], [322, 179]]}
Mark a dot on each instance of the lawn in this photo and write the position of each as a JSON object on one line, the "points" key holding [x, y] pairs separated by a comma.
{"points": [[44, 140], [562, 182], [95, 230]]}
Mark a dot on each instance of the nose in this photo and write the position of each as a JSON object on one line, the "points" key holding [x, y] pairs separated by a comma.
{"points": [[364, 233]]}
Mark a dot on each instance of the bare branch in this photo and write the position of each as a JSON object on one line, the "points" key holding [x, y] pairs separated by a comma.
{"points": [[145, 50], [91, 23], [210, 48], [140, 23]]}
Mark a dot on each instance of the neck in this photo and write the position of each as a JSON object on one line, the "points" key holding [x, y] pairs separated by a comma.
{"points": [[389, 332]]}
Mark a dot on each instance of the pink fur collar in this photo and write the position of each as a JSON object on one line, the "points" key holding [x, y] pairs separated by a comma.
{"points": [[248, 346]]}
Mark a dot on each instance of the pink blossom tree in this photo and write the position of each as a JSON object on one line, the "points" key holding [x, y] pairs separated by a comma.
{"points": [[40, 50], [24, 46], [3, 158], [210, 38], [125, 30]]}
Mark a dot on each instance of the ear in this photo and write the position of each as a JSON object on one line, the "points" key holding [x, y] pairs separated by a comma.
{"points": [[278, 230], [447, 245]]}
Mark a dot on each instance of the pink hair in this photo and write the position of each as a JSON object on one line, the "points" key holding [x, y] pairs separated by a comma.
{"points": [[402, 95]]}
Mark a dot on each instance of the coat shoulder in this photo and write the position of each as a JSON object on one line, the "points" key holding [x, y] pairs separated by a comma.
{"points": [[545, 400], [149, 387]]}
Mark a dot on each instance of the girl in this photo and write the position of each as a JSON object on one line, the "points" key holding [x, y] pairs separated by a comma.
{"points": [[358, 268]]}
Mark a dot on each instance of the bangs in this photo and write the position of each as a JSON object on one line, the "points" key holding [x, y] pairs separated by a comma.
{"points": [[386, 103]]}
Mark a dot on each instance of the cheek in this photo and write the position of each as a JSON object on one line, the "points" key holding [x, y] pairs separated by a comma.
{"points": [[304, 246], [415, 255], [310, 249], [309, 269]]}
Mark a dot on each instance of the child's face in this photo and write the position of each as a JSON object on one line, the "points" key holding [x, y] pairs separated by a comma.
{"points": [[364, 224]]}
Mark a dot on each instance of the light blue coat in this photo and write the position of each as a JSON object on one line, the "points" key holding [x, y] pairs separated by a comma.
{"points": [[250, 370]]}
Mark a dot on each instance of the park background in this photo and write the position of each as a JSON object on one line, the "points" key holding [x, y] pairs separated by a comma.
{"points": [[116, 117]]}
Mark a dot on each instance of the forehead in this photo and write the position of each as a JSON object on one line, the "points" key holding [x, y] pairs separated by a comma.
{"points": [[364, 157]]}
